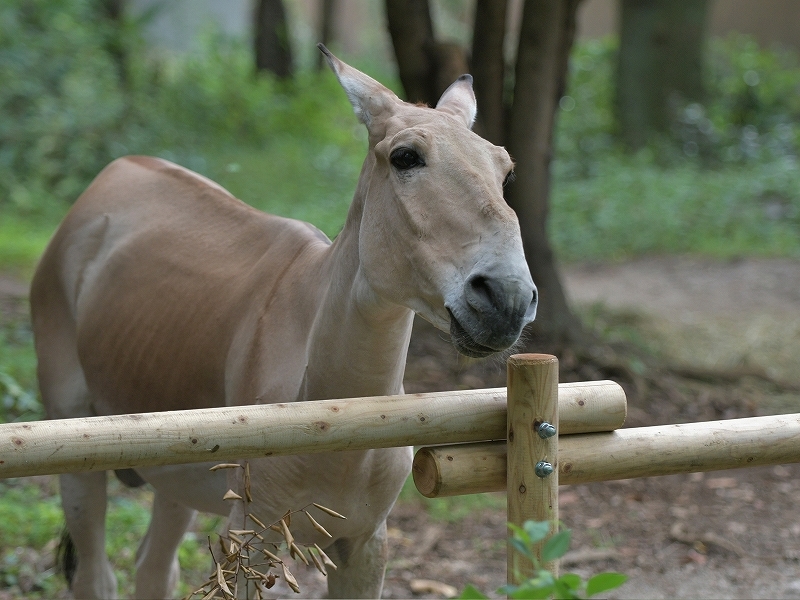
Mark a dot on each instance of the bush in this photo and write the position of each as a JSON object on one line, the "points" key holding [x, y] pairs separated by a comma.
{"points": [[67, 106], [631, 207], [751, 113], [214, 95], [724, 182], [753, 109], [18, 400], [60, 101], [585, 123]]}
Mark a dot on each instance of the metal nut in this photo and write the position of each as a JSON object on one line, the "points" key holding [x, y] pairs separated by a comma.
{"points": [[545, 430], [543, 469]]}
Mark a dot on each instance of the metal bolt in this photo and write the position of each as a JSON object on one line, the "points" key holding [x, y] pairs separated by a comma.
{"points": [[543, 469], [545, 430]]}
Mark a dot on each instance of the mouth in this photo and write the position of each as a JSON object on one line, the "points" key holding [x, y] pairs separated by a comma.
{"points": [[464, 342]]}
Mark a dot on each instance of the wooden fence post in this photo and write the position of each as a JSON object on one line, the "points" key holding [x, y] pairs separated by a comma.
{"points": [[532, 474]]}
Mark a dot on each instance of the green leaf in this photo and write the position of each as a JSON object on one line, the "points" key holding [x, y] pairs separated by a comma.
{"points": [[522, 548], [567, 586], [526, 593], [603, 582], [536, 530], [472, 593], [571, 580], [540, 586], [563, 592], [556, 546], [519, 533]]}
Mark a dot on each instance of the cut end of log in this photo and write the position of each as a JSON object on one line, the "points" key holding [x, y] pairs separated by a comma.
{"points": [[426, 473], [520, 360]]}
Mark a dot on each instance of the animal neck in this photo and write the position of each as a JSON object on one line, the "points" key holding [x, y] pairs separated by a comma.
{"points": [[358, 341]]}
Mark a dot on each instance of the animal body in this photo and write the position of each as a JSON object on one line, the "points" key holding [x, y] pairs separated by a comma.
{"points": [[161, 291]]}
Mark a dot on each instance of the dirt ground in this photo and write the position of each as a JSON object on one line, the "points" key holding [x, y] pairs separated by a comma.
{"points": [[732, 534]]}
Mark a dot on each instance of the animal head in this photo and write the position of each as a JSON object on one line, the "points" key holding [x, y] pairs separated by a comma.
{"points": [[436, 234]]}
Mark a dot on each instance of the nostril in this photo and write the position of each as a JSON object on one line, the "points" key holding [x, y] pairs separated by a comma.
{"points": [[479, 292], [530, 314]]}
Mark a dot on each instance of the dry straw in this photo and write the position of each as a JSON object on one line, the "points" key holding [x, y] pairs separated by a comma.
{"points": [[248, 559]]}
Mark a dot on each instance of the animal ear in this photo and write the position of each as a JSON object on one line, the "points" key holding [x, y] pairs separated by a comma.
{"points": [[368, 97], [459, 100]]}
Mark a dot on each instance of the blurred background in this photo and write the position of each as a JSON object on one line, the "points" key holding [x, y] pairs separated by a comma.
{"points": [[699, 100], [656, 144]]}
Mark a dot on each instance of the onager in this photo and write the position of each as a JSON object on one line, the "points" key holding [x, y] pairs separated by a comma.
{"points": [[161, 291]]}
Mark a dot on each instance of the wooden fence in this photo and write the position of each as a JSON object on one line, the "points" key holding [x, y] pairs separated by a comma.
{"points": [[527, 441]]}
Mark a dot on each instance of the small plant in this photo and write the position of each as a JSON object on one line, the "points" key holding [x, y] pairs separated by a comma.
{"points": [[245, 556], [542, 584]]}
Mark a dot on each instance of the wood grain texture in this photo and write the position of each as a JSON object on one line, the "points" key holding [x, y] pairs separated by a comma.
{"points": [[461, 469], [150, 439], [532, 399], [229, 433], [623, 454]]}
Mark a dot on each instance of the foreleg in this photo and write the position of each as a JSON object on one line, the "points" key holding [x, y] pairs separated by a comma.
{"points": [[157, 567], [361, 566]]}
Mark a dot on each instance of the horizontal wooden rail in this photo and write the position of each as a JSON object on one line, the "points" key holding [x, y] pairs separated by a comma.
{"points": [[627, 453], [221, 434]]}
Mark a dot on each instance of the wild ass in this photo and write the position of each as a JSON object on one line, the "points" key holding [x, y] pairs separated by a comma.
{"points": [[161, 291]]}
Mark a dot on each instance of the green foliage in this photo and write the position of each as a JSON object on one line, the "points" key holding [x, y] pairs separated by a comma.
{"points": [[31, 515], [472, 593], [585, 125], [67, 108], [542, 584], [60, 102], [304, 178], [23, 237], [32, 520], [752, 113], [214, 97], [18, 403], [18, 399], [291, 148], [725, 182], [632, 207]]}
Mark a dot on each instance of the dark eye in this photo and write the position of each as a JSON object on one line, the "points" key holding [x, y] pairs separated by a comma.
{"points": [[406, 158], [509, 178]]}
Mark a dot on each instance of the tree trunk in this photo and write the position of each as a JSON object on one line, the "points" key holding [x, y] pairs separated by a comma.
{"points": [[411, 30], [325, 28], [489, 68], [659, 63], [426, 67], [272, 39], [546, 36], [449, 63]]}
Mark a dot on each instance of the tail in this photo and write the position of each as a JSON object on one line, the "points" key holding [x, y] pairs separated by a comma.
{"points": [[66, 554], [129, 477], [66, 557]]}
